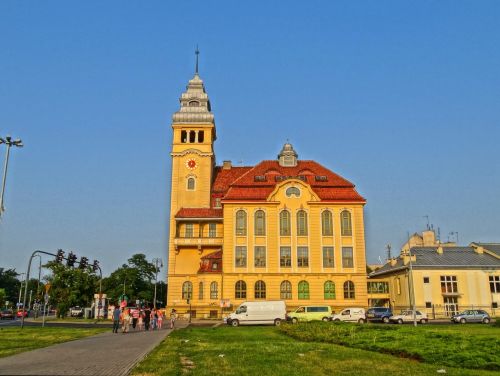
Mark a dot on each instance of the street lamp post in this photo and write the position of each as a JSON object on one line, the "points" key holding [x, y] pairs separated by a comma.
{"points": [[158, 264], [20, 290], [412, 288], [9, 142]]}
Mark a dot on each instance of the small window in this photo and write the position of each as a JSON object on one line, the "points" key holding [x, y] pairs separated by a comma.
{"points": [[218, 202], [286, 290], [303, 290], [301, 223], [260, 290], [241, 256], [194, 104], [284, 223], [494, 305], [214, 291], [183, 137], [302, 256], [260, 223], [260, 256], [292, 191], [285, 257], [328, 259], [349, 290], [192, 136], [347, 257], [326, 223], [189, 230], [346, 223], [201, 137], [428, 305], [494, 284], [190, 184], [426, 279], [212, 230], [240, 290]]}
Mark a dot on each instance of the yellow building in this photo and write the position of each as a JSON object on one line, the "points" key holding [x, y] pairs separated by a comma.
{"points": [[446, 279], [284, 229]]}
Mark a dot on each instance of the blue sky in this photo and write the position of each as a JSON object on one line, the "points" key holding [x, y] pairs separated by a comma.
{"points": [[400, 97]]}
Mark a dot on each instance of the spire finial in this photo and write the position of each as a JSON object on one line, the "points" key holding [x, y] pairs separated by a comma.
{"points": [[197, 52]]}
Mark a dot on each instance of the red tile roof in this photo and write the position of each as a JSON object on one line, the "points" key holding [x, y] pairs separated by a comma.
{"points": [[223, 178], [213, 255], [199, 213]]}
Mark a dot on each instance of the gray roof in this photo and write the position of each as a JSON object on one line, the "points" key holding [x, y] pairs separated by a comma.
{"points": [[492, 247], [451, 258]]}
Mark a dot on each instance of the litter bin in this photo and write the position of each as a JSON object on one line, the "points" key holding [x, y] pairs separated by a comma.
{"points": [[87, 313]]}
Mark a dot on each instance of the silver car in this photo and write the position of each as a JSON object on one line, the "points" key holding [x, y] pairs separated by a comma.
{"points": [[471, 315]]}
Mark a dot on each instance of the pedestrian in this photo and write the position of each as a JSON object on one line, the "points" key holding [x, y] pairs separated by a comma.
{"points": [[135, 317], [116, 318], [147, 318], [140, 320], [125, 320], [160, 319], [154, 319], [173, 316]]}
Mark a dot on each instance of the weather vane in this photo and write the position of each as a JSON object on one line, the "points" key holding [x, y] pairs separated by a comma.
{"points": [[197, 52]]}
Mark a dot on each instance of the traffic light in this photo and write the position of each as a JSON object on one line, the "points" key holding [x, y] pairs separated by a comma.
{"points": [[59, 256], [84, 262], [71, 259], [95, 266]]}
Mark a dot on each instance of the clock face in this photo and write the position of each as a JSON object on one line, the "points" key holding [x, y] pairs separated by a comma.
{"points": [[191, 164]]}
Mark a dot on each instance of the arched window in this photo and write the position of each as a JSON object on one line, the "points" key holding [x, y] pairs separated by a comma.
{"points": [[326, 223], [349, 290], [200, 291], [194, 104], [329, 290], [345, 223], [285, 223], [201, 137], [260, 290], [303, 290], [301, 223], [292, 191], [240, 290], [286, 290], [214, 290], [184, 137], [241, 222], [187, 290], [192, 136], [191, 184], [260, 223]]}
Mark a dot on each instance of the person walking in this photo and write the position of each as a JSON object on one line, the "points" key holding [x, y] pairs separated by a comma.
{"points": [[147, 318], [140, 320], [173, 316], [160, 318], [135, 317], [154, 319], [116, 318], [125, 320]]}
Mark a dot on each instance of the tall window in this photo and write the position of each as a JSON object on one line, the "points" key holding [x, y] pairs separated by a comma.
{"points": [[200, 291], [260, 290], [347, 259], [349, 290], [187, 290], [212, 230], [260, 256], [345, 223], [303, 290], [378, 287], [450, 305], [302, 256], [214, 290], [301, 223], [285, 257], [260, 223], [329, 290], [190, 184], [449, 284], [494, 283], [240, 290], [241, 222], [326, 223], [201, 136], [240, 256], [189, 230], [328, 258], [183, 137], [285, 223], [286, 290], [192, 136]]}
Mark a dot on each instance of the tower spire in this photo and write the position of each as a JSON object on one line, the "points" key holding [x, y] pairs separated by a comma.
{"points": [[197, 53]]}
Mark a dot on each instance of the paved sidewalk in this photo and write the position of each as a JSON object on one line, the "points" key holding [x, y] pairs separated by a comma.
{"points": [[100, 355]]}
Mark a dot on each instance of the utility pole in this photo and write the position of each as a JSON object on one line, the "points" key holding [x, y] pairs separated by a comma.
{"points": [[9, 142], [410, 283], [158, 264]]}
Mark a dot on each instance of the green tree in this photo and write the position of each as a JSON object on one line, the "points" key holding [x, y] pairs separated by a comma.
{"points": [[10, 283], [3, 295]]}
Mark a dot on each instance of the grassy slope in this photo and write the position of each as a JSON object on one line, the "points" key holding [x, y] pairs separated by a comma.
{"points": [[469, 346], [266, 351], [13, 340]]}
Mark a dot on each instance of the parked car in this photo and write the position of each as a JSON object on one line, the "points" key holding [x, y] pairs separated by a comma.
{"points": [[255, 313], [76, 311], [350, 315], [7, 314], [407, 316], [21, 313], [310, 313], [476, 315], [379, 314]]}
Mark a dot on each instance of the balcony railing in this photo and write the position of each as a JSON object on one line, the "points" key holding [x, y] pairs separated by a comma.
{"points": [[181, 241]]}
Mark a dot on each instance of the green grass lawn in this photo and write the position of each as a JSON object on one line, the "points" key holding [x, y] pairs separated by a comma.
{"points": [[269, 351], [13, 340], [473, 346]]}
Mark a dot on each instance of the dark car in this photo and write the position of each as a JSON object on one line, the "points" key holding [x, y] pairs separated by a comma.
{"points": [[7, 315], [381, 314]]}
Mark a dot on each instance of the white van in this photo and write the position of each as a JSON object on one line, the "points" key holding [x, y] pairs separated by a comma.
{"points": [[351, 315], [254, 313]]}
